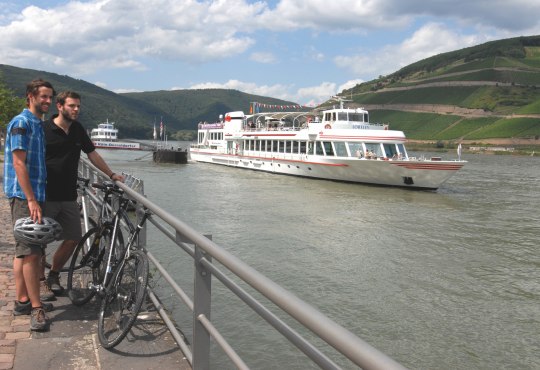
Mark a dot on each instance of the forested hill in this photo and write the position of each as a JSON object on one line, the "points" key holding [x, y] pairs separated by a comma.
{"points": [[135, 113]]}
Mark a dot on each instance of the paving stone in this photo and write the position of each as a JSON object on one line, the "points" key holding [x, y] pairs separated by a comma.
{"points": [[19, 334]]}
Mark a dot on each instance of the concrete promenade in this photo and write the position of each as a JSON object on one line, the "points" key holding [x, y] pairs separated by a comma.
{"points": [[71, 342]]}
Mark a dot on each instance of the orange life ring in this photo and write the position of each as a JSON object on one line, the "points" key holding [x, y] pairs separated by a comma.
{"points": [[327, 126]]}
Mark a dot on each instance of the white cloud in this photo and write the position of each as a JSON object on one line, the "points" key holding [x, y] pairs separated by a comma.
{"points": [[103, 85], [342, 15], [262, 57], [83, 37], [369, 15], [349, 84], [315, 95]]}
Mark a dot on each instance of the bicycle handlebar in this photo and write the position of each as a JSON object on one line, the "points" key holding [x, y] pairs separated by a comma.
{"points": [[108, 187]]}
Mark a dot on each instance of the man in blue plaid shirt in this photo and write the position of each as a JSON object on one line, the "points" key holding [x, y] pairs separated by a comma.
{"points": [[25, 177]]}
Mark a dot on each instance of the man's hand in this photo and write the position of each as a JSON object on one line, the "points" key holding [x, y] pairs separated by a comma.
{"points": [[35, 210], [117, 177]]}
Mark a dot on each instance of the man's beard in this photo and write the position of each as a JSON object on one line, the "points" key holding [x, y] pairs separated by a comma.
{"points": [[67, 116]]}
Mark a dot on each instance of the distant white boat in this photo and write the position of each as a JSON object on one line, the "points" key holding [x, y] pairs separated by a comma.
{"points": [[105, 136], [339, 144]]}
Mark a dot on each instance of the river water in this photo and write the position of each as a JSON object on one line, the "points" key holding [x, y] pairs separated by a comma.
{"points": [[436, 280]]}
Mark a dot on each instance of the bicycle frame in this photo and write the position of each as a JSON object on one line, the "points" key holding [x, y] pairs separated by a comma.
{"points": [[104, 222], [131, 243]]}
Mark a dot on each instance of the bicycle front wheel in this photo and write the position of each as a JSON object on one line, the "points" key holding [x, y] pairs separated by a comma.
{"points": [[83, 273], [123, 299], [52, 247]]}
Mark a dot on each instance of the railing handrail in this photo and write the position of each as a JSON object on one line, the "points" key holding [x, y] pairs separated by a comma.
{"points": [[344, 341]]}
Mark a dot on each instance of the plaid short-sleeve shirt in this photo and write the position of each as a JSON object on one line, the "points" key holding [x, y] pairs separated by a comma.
{"points": [[25, 132]]}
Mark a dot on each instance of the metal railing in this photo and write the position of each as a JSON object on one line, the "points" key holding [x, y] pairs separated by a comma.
{"points": [[204, 252]]}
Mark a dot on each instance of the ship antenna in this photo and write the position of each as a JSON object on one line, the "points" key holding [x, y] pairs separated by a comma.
{"points": [[340, 99]]}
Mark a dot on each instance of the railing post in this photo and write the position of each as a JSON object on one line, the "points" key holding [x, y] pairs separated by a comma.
{"points": [[201, 306], [139, 212]]}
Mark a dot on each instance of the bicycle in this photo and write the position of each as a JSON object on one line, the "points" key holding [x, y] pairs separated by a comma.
{"points": [[87, 222], [86, 269], [117, 273]]}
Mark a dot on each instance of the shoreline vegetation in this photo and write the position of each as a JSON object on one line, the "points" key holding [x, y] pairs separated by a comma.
{"points": [[508, 146]]}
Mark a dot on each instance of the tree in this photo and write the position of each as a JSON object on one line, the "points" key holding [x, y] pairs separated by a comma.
{"points": [[10, 106]]}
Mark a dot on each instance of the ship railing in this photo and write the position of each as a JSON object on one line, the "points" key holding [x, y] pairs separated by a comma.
{"points": [[211, 263]]}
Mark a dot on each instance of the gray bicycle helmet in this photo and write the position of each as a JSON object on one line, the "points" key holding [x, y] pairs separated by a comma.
{"points": [[26, 230]]}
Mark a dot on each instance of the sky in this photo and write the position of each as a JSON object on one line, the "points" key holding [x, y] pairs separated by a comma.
{"points": [[303, 51]]}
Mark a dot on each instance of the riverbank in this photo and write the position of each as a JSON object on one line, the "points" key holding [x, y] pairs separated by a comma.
{"points": [[71, 341], [525, 147]]}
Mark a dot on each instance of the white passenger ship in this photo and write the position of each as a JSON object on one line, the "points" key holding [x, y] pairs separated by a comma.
{"points": [[105, 136], [339, 145]]}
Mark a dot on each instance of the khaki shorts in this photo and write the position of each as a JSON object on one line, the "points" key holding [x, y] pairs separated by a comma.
{"points": [[68, 215], [19, 209]]}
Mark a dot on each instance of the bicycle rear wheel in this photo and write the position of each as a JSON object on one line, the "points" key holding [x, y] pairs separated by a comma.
{"points": [[84, 268], [123, 299]]}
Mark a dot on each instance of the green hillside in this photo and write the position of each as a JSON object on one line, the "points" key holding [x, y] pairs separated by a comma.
{"points": [[482, 92], [188, 107]]}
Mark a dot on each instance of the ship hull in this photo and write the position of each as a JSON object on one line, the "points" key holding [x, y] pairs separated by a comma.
{"points": [[419, 174]]}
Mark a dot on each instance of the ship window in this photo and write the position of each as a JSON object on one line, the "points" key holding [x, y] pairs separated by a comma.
{"points": [[402, 150], [356, 150], [318, 148], [342, 116], [366, 117], [281, 146], [328, 148], [341, 149], [302, 147], [390, 150], [355, 117], [288, 146], [374, 148]]}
